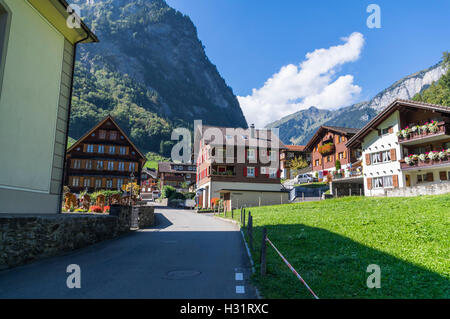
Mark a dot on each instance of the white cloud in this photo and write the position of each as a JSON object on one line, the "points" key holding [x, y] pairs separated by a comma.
{"points": [[312, 83]]}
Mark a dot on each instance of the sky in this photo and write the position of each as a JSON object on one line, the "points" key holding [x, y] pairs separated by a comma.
{"points": [[283, 56]]}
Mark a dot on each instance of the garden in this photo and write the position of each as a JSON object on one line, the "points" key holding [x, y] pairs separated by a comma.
{"points": [[331, 243]]}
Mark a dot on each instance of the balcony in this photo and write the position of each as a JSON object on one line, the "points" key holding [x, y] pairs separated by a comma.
{"points": [[228, 172], [421, 134], [414, 162]]}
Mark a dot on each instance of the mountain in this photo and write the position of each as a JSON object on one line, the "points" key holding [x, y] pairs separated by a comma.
{"points": [[149, 71], [299, 127]]}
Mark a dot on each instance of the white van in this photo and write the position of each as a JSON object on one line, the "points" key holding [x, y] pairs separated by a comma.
{"points": [[303, 178]]}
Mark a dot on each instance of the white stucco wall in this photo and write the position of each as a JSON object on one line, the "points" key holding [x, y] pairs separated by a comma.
{"points": [[29, 100], [373, 143]]}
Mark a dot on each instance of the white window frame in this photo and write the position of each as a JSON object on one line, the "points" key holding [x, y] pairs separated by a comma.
{"points": [[123, 150], [121, 166], [252, 170], [109, 183], [77, 164], [101, 149], [88, 164], [131, 167], [112, 150], [110, 166], [87, 182], [273, 172], [90, 148], [98, 183], [76, 181], [100, 165]]}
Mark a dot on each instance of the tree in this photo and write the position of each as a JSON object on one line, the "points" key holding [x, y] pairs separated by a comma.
{"points": [[338, 165], [297, 163]]}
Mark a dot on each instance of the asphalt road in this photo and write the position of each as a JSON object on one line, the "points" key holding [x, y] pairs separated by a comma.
{"points": [[185, 255]]}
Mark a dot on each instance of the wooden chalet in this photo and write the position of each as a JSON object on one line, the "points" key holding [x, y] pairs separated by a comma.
{"points": [[104, 158]]}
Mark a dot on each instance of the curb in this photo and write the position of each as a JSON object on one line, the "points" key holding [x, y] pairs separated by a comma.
{"points": [[249, 254]]}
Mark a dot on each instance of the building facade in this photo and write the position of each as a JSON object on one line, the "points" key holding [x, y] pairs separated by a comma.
{"points": [[179, 176], [406, 145], [104, 158], [287, 155], [37, 54], [328, 145], [238, 168], [149, 183]]}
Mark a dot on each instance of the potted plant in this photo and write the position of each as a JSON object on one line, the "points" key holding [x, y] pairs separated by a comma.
{"points": [[326, 148], [422, 157], [433, 155], [442, 155], [433, 127]]}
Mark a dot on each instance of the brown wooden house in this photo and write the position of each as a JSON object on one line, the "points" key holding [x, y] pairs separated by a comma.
{"points": [[328, 145], [104, 158]]}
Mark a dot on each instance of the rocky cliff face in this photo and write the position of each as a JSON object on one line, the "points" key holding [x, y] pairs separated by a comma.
{"points": [[299, 127], [159, 67]]}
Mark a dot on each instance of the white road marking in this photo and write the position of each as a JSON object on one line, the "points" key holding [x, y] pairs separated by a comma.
{"points": [[240, 289], [239, 276]]}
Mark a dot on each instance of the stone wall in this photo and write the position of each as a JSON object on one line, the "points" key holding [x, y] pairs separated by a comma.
{"points": [[146, 216], [25, 238], [425, 189]]}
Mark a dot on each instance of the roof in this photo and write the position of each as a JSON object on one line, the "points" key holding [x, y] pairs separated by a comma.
{"points": [[109, 117], [150, 172], [386, 112], [58, 13], [348, 131], [296, 148], [166, 167], [266, 135]]}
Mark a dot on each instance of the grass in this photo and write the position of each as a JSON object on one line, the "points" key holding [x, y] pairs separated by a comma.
{"points": [[331, 243], [153, 159]]}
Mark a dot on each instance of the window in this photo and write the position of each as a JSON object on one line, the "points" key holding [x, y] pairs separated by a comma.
{"points": [[88, 164], [272, 172], [376, 158], [99, 165], [273, 155], [75, 181], [98, 183], [112, 149], [251, 154], [317, 162], [110, 166], [87, 182], [101, 149], [123, 150], [102, 134], [386, 156], [341, 155], [380, 182], [77, 164], [90, 148], [121, 166], [112, 135], [250, 171], [119, 183], [264, 170], [109, 183], [131, 167]]}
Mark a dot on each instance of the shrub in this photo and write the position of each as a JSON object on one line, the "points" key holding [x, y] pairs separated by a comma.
{"points": [[167, 191], [189, 195], [106, 209], [176, 195], [338, 165]]}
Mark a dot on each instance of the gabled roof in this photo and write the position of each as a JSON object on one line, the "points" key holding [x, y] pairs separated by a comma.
{"points": [[166, 167], [347, 131], [99, 124], [260, 135], [391, 108], [295, 148]]}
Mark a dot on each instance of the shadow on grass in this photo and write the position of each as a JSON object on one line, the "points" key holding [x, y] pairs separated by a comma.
{"points": [[335, 267]]}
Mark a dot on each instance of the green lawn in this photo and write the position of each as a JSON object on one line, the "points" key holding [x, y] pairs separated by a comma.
{"points": [[153, 159], [312, 185], [331, 243]]}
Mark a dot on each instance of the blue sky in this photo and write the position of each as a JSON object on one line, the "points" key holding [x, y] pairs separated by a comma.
{"points": [[251, 40]]}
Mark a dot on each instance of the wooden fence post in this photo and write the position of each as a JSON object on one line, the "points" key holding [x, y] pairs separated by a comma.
{"points": [[250, 230], [263, 252]]}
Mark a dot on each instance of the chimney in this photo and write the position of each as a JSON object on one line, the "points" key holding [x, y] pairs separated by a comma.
{"points": [[252, 130]]}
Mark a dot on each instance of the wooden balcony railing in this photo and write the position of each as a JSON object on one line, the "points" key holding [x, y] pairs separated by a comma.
{"points": [[443, 128], [423, 164]]}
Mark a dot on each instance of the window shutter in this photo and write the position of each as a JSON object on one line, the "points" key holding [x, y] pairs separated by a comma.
{"points": [[136, 165], [128, 150], [430, 177], [256, 171], [367, 159], [443, 176], [345, 154], [94, 148], [369, 183], [103, 182], [278, 173], [393, 154], [246, 157], [84, 148], [114, 185], [245, 171], [395, 180], [72, 162], [320, 161]]}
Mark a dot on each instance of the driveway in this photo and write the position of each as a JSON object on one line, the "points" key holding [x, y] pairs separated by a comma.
{"points": [[186, 255]]}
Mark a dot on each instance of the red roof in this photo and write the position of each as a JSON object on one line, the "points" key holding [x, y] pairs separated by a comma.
{"points": [[299, 148]]}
